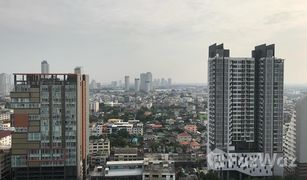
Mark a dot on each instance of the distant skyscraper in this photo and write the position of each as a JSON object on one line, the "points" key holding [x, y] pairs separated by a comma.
{"points": [[169, 81], [5, 84], [246, 105], [119, 84], [99, 85], [44, 67], [143, 81], [149, 82], [114, 84], [78, 70], [93, 84], [51, 120], [163, 82], [127, 83], [301, 136], [146, 83], [147, 86], [137, 84]]}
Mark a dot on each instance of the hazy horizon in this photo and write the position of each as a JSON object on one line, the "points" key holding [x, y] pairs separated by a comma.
{"points": [[111, 39]]}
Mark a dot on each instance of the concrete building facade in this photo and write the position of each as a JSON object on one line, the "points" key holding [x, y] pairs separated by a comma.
{"points": [[51, 121], [301, 135]]}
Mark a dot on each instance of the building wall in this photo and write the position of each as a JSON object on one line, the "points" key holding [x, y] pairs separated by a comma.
{"points": [[50, 117], [127, 83], [269, 81], [6, 141], [289, 143], [231, 103], [5, 84], [5, 164], [246, 102], [301, 121]]}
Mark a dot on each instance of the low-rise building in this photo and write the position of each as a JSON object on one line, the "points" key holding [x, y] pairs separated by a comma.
{"points": [[99, 150], [135, 129], [126, 154], [159, 169], [119, 170], [124, 170], [5, 114]]}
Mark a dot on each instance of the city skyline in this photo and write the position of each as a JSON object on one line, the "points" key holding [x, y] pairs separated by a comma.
{"points": [[160, 89], [111, 39]]}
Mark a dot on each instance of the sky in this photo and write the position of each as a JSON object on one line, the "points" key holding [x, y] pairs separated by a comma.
{"points": [[170, 38]]}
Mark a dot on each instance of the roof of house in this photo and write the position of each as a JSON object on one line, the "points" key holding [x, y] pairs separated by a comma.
{"points": [[185, 143], [194, 143], [5, 133], [184, 134], [190, 126]]}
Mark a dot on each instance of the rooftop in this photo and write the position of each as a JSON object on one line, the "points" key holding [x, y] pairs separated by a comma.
{"points": [[4, 133], [124, 172], [110, 163], [184, 134], [125, 150]]}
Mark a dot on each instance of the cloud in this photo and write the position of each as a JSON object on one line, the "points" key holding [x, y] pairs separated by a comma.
{"points": [[149, 32], [283, 17]]}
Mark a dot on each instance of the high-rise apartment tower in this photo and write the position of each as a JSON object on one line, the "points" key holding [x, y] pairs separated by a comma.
{"points": [[51, 120], [246, 105]]}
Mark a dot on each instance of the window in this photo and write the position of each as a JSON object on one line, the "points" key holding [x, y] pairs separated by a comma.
{"points": [[18, 161], [34, 136]]}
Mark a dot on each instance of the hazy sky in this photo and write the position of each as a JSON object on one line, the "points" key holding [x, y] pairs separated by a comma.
{"points": [[170, 38]]}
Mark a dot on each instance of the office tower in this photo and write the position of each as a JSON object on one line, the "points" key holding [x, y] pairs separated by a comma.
{"points": [[301, 136], [137, 84], [127, 83], [51, 121], [44, 67], [246, 106], [5, 84]]}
